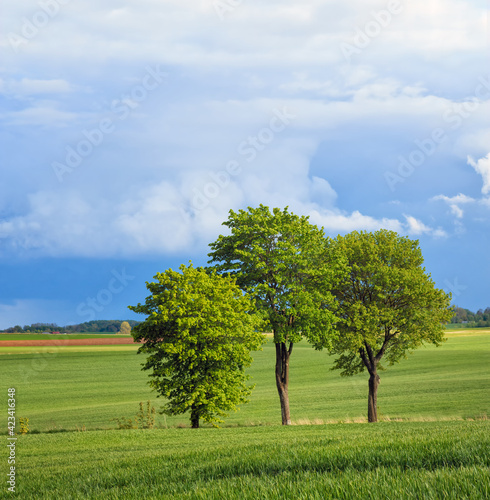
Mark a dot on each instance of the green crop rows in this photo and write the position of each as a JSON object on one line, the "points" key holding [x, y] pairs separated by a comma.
{"points": [[401, 460], [432, 441], [70, 387]]}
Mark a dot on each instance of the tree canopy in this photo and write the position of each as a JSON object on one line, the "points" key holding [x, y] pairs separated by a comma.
{"points": [[198, 334], [125, 328], [278, 259], [387, 303], [470, 319]]}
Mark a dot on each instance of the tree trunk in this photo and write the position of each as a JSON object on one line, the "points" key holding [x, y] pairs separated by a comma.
{"points": [[373, 397], [194, 417], [282, 379]]}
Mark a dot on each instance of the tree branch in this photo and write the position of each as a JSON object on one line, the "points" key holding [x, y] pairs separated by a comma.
{"points": [[365, 360], [370, 354], [387, 339]]}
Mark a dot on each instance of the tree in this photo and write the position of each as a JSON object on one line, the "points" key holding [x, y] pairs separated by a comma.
{"points": [[388, 305], [125, 328], [198, 334], [460, 315], [276, 258]]}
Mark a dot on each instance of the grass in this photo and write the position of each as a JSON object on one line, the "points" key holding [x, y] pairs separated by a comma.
{"points": [[401, 460], [49, 351], [74, 386], [432, 442]]}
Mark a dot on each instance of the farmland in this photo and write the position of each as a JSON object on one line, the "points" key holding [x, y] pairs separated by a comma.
{"points": [[399, 460], [65, 387], [432, 439], [62, 337]]}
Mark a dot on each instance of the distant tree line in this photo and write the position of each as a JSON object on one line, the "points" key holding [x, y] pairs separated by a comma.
{"points": [[99, 326], [470, 319]]}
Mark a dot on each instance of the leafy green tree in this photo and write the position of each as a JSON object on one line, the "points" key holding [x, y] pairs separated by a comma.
{"points": [[125, 328], [278, 258], [388, 305], [198, 334], [460, 315]]}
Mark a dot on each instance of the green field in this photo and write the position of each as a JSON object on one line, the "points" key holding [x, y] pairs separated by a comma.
{"points": [[432, 441], [74, 386], [390, 460]]}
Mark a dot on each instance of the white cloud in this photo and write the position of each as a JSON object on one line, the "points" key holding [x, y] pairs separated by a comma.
{"points": [[337, 222], [439, 233], [164, 219], [477, 137], [322, 192], [276, 34], [454, 203], [154, 221], [226, 78], [459, 198], [442, 26], [68, 223], [482, 167], [416, 227], [458, 212], [27, 86]]}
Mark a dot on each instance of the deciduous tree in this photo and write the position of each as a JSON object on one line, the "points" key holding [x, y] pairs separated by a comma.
{"points": [[125, 328], [198, 335], [388, 304], [278, 259]]}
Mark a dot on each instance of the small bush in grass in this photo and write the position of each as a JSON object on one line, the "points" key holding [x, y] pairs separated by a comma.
{"points": [[145, 418], [125, 423], [24, 425]]}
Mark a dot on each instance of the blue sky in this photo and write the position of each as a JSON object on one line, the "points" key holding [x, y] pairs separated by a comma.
{"points": [[130, 130]]}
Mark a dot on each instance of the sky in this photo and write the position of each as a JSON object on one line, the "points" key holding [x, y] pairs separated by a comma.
{"points": [[130, 129]]}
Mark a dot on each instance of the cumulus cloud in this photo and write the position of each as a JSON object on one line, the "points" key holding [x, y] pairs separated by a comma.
{"points": [[322, 192], [415, 226], [336, 222], [69, 223], [253, 33], [454, 203], [162, 219], [439, 233], [482, 167], [156, 184]]}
